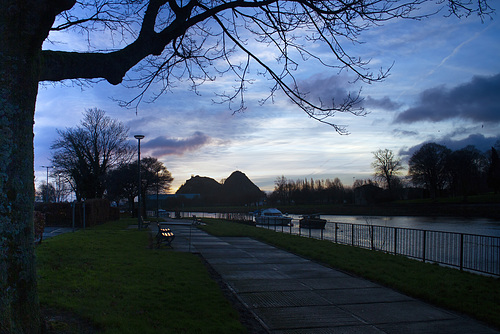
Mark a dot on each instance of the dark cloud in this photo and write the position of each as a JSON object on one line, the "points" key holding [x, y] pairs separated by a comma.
{"points": [[404, 133], [338, 88], [161, 146], [327, 89], [384, 103], [477, 100], [479, 141]]}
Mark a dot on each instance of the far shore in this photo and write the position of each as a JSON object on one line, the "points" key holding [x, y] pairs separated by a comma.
{"points": [[469, 210]]}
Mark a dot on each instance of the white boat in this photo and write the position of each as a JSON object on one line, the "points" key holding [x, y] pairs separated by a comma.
{"points": [[272, 216]]}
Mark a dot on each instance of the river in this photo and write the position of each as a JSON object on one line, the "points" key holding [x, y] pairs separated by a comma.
{"points": [[482, 226]]}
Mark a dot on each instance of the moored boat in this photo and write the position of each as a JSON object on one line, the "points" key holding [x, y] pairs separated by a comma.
{"points": [[312, 221], [272, 216]]}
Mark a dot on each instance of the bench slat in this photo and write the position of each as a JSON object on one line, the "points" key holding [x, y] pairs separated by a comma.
{"points": [[164, 235]]}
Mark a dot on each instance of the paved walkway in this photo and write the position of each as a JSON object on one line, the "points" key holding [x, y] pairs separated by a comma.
{"points": [[51, 231], [289, 294]]}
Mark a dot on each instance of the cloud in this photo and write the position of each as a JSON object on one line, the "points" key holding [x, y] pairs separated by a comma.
{"points": [[327, 88], [479, 141], [477, 101], [384, 103], [161, 146], [405, 133]]}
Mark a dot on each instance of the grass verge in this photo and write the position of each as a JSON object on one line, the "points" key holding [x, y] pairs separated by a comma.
{"points": [[108, 275], [474, 295]]}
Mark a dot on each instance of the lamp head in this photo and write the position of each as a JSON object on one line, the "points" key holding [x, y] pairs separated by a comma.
{"points": [[139, 137]]}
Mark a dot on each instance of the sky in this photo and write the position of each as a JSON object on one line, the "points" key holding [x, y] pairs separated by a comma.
{"points": [[443, 87]]}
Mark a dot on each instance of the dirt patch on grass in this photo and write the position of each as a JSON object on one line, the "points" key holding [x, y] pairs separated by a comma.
{"points": [[65, 322]]}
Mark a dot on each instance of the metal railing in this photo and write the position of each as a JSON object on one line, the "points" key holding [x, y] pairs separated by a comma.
{"points": [[470, 252]]}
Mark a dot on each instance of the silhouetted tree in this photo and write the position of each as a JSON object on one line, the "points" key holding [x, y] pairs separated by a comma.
{"points": [[46, 193], [122, 182], [155, 176], [84, 154], [466, 168], [494, 171], [176, 39], [428, 167], [386, 167]]}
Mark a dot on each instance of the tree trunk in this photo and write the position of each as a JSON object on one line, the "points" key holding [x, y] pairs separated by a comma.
{"points": [[20, 45], [19, 308]]}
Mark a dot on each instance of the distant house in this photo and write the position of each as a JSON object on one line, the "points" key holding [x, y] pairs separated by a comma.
{"points": [[170, 201], [367, 194]]}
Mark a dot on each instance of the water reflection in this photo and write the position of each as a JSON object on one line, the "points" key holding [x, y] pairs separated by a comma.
{"points": [[481, 226]]}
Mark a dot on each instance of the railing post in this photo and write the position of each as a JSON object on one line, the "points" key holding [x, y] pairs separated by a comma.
{"points": [[423, 246], [395, 241], [461, 251], [336, 228], [352, 234], [371, 237]]}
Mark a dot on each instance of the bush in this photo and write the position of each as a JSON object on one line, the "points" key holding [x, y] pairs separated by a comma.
{"points": [[39, 222], [95, 211]]}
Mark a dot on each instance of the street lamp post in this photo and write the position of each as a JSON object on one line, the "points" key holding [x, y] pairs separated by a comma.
{"points": [[139, 137], [157, 202], [47, 185]]}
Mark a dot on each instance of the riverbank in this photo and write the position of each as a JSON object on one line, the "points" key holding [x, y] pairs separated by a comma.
{"points": [[468, 210]]}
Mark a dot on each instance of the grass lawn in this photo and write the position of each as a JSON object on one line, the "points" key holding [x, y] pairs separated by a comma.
{"points": [[475, 295], [109, 276]]}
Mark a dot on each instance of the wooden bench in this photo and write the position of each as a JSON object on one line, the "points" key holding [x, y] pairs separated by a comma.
{"points": [[145, 224], [164, 235]]}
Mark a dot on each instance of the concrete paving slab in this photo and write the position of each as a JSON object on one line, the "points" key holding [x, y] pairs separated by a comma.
{"points": [[308, 270], [362, 329], [230, 260], [398, 312], [337, 282], [221, 253], [282, 299], [253, 274], [227, 268], [363, 296], [258, 285], [305, 317], [278, 256]]}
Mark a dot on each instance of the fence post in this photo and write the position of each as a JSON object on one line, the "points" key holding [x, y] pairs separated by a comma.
{"points": [[371, 236], [352, 234], [395, 241], [461, 251], [336, 228], [423, 246]]}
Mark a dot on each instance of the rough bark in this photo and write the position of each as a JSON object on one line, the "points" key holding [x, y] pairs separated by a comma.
{"points": [[23, 27]]}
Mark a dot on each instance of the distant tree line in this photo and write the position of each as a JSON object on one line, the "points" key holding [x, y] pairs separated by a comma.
{"points": [[304, 191], [95, 160], [435, 169], [443, 172]]}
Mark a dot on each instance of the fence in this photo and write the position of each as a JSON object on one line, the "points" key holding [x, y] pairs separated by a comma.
{"points": [[471, 252]]}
